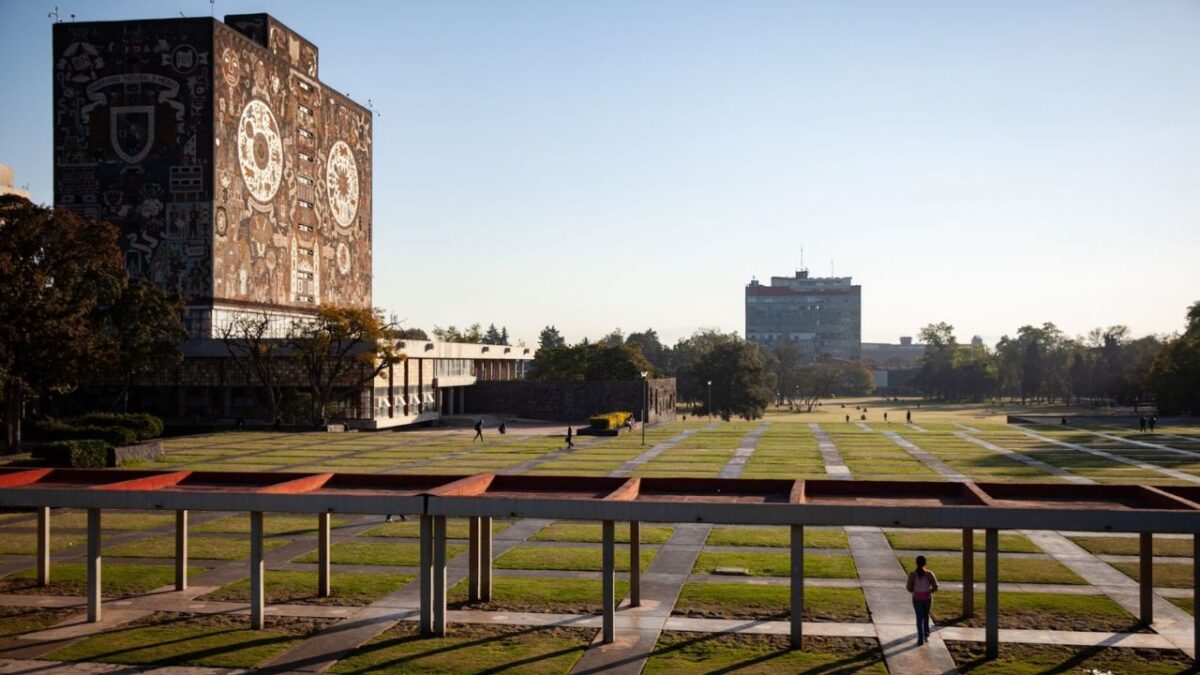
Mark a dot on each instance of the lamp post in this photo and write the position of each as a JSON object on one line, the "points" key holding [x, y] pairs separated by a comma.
{"points": [[710, 398], [645, 386]]}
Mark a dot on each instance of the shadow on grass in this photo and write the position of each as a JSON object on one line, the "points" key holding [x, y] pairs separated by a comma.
{"points": [[1069, 665], [850, 663]]}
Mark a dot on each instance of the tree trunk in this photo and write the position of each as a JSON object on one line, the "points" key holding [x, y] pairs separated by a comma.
{"points": [[12, 417]]}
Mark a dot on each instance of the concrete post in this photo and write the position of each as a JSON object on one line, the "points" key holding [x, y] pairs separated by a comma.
{"points": [[968, 572], [426, 575], [181, 550], [1195, 595], [485, 559], [608, 581], [1146, 576], [797, 618], [93, 565], [439, 575], [635, 563], [324, 585], [257, 569], [43, 545], [473, 568], [991, 546]]}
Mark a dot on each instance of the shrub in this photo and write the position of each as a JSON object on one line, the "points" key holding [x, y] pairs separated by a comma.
{"points": [[59, 430], [144, 425], [611, 420], [76, 454]]}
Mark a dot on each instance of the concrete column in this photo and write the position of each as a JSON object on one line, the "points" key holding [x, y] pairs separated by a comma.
{"points": [[257, 570], [485, 559], [991, 544], [1146, 576], [93, 565], [635, 567], [1195, 595], [797, 619], [439, 575], [426, 575], [968, 572], [608, 581], [473, 550], [324, 587], [181, 550], [43, 545], [462, 400]]}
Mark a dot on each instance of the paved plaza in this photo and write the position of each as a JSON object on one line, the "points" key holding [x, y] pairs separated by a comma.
{"points": [[713, 598]]}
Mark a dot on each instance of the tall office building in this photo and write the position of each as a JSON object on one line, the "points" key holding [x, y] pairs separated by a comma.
{"points": [[239, 179], [821, 314]]}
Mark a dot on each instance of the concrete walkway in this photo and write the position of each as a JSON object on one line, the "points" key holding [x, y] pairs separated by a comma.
{"points": [[661, 584], [883, 581], [1114, 457]]}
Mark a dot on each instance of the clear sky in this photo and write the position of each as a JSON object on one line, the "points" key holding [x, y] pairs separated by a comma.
{"points": [[633, 164]]}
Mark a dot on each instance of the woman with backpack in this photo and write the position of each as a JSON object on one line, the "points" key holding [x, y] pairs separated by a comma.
{"points": [[922, 584]]}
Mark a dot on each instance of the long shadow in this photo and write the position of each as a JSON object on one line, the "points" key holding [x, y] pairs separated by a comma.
{"points": [[848, 664]]}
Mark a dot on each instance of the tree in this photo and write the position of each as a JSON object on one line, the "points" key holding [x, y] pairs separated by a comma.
{"points": [[492, 336], [937, 363], [504, 335], [789, 360], [830, 378], [736, 370], [472, 335], [342, 349], [655, 352], [410, 334], [616, 362], [559, 363], [144, 327], [550, 337], [1175, 371], [56, 270], [258, 357], [616, 337]]}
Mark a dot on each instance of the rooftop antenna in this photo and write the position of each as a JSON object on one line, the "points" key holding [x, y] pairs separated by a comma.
{"points": [[371, 105], [181, 14], [801, 257], [58, 17], [212, 8]]}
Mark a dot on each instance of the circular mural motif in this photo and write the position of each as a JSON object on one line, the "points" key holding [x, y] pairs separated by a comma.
{"points": [[260, 151], [341, 181], [343, 257]]}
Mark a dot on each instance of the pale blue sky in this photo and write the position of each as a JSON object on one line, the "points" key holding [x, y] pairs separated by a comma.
{"points": [[633, 164]]}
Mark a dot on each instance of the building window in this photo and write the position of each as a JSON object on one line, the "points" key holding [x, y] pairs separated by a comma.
{"points": [[304, 85], [305, 228], [305, 133], [304, 204], [305, 251], [304, 178], [306, 110], [306, 157]]}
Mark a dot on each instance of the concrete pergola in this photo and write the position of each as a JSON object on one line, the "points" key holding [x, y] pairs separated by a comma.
{"points": [[480, 498]]}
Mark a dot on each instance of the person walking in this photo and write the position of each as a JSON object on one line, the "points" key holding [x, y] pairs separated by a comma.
{"points": [[885, 419], [1142, 424], [1153, 421], [922, 584], [570, 444], [503, 429], [908, 417], [478, 431]]}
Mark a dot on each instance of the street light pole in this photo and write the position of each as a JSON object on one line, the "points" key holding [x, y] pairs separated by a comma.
{"points": [[710, 398], [645, 386]]}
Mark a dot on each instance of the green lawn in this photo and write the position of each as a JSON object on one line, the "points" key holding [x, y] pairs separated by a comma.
{"points": [[273, 524], [775, 536], [289, 587], [221, 641], [1101, 545], [584, 558], [523, 594], [778, 564], [200, 548], [117, 580], [25, 543], [679, 652], [591, 533], [456, 528], [1186, 604], [111, 520], [1166, 575], [770, 601], [1023, 659], [952, 541], [377, 553], [1012, 570], [470, 649], [1038, 611], [16, 621]]}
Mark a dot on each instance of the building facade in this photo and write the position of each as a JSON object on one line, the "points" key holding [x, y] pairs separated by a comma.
{"points": [[823, 315], [905, 354], [6, 183], [239, 179]]}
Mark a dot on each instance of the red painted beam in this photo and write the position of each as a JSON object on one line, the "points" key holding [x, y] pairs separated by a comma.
{"points": [[156, 482], [628, 491], [465, 487], [298, 485], [22, 477]]}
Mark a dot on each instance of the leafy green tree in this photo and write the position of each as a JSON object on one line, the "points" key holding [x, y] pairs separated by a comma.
{"points": [[559, 363], [550, 337], [341, 350], [259, 357], [659, 355], [144, 327], [1175, 371], [736, 369], [56, 271], [616, 362], [410, 334], [473, 334], [492, 335]]}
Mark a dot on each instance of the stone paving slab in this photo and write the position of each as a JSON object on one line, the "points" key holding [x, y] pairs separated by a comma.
{"points": [[68, 668]]}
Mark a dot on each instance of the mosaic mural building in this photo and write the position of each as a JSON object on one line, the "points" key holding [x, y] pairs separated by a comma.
{"points": [[240, 180]]}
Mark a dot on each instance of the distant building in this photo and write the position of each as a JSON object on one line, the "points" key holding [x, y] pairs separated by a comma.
{"points": [[822, 314], [892, 356], [6, 183]]}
